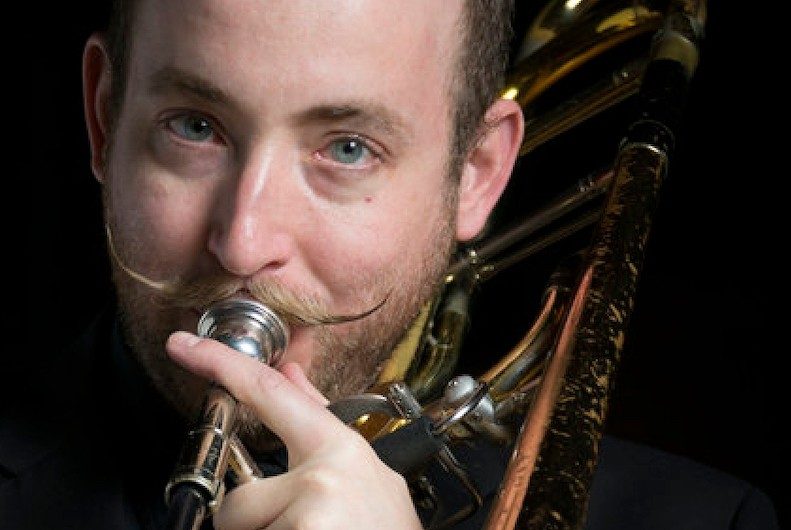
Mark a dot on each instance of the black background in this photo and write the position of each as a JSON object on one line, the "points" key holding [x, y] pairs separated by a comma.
{"points": [[703, 372]]}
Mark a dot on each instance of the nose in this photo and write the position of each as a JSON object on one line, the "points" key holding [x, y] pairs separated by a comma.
{"points": [[249, 232]]}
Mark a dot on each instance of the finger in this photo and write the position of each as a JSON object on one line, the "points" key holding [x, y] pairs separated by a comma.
{"points": [[254, 504], [307, 514], [294, 373], [303, 424]]}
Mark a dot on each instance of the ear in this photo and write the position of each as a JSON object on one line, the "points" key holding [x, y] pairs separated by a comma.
{"points": [[96, 78], [488, 167]]}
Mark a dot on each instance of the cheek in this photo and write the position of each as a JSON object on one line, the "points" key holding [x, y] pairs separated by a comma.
{"points": [[159, 196], [158, 221], [386, 238]]}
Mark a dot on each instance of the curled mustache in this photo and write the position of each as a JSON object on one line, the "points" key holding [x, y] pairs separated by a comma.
{"points": [[203, 292]]}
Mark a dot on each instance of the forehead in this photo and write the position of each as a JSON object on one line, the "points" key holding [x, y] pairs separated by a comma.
{"points": [[290, 51]]}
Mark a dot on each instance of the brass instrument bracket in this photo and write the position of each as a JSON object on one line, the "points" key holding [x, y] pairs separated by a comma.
{"points": [[398, 403], [468, 398]]}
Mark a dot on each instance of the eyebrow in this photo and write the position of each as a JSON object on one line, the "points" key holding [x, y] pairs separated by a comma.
{"points": [[358, 113], [171, 78], [362, 114]]}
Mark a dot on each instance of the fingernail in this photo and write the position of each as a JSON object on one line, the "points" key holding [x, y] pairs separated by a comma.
{"points": [[184, 339]]}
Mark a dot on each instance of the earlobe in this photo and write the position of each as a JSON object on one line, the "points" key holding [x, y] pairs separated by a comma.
{"points": [[488, 167], [96, 80]]}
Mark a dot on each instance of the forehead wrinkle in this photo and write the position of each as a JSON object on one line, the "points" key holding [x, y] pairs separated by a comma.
{"points": [[362, 114]]}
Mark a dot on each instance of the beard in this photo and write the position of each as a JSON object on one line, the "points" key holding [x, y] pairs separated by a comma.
{"points": [[348, 356]]}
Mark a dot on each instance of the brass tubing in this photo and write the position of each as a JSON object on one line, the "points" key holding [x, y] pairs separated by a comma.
{"points": [[488, 270], [535, 74], [507, 507], [577, 422], [607, 93], [567, 416], [582, 193], [443, 351], [548, 480], [524, 360]]}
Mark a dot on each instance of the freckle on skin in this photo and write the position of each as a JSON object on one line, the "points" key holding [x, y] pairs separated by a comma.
{"points": [[368, 199]]}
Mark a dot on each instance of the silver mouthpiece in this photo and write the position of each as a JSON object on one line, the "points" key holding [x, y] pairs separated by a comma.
{"points": [[246, 326]]}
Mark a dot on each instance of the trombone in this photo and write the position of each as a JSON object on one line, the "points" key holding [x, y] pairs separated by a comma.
{"points": [[547, 397]]}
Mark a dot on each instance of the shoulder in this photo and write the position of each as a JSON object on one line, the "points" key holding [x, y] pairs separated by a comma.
{"points": [[640, 487]]}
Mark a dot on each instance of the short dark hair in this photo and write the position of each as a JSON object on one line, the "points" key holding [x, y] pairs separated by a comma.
{"points": [[118, 37], [479, 74], [480, 71]]}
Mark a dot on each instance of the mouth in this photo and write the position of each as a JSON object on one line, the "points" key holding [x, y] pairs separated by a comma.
{"points": [[241, 294]]}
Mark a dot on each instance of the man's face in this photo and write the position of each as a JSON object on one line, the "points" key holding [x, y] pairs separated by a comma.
{"points": [[298, 143]]}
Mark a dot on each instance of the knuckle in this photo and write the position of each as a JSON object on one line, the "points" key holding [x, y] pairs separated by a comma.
{"points": [[321, 479], [355, 445], [267, 380]]}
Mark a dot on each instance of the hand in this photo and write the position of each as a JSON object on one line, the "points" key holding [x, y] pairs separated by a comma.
{"points": [[334, 478]]}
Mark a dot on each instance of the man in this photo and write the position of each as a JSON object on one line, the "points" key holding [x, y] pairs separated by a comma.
{"points": [[312, 148], [323, 157]]}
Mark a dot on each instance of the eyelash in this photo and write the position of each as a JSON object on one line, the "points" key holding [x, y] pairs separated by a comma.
{"points": [[374, 151], [168, 123]]}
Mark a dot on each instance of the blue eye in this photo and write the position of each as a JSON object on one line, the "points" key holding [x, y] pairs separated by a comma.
{"points": [[192, 127], [348, 151]]}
